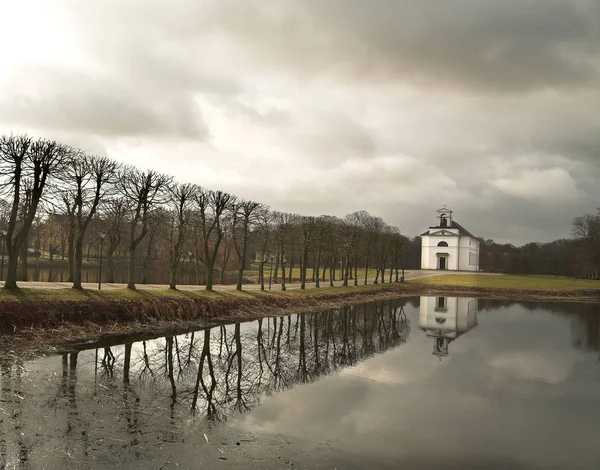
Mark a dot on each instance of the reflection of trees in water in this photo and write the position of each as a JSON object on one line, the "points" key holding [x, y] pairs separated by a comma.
{"points": [[236, 367], [13, 450], [228, 368], [121, 395]]}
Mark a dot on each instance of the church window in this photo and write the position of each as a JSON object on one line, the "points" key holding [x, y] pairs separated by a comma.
{"points": [[442, 244]]}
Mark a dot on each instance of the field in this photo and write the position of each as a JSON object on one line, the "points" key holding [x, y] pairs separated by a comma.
{"points": [[546, 283]]}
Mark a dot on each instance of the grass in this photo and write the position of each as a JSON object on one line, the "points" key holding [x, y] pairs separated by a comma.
{"points": [[524, 282], [66, 294]]}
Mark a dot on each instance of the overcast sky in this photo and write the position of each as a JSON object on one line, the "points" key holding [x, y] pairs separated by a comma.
{"points": [[328, 106]]}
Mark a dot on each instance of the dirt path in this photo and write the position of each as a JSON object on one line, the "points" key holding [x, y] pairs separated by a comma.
{"points": [[409, 274]]}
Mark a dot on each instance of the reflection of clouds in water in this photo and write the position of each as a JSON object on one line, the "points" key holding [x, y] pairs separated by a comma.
{"points": [[547, 365], [514, 386]]}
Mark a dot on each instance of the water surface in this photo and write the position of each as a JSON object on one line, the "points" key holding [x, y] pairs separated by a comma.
{"points": [[439, 383]]}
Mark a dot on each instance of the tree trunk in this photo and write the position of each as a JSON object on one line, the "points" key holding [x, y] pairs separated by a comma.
{"points": [[303, 264], [23, 276], [226, 254], [173, 269], [367, 270], [261, 274], [131, 267], [146, 259], [242, 267], [11, 272], [209, 275], [282, 270], [316, 269], [71, 253], [291, 268], [110, 263], [346, 270], [78, 264]]}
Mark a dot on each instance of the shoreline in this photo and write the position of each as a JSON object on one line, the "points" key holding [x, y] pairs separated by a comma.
{"points": [[55, 325]]}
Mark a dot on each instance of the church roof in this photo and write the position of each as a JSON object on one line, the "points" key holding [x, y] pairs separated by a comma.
{"points": [[453, 224], [462, 230]]}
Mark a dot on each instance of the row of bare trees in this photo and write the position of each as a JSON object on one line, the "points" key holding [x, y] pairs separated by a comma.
{"points": [[67, 199]]}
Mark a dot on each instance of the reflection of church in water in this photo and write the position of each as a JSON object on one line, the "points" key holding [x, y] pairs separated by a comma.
{"points": [[446, 318]]}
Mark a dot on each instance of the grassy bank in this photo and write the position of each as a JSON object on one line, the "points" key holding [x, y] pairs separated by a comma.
{"points": [[28, 309], [538, 283]]}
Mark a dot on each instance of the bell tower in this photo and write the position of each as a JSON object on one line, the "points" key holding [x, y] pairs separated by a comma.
{"points": [[444, 217]]}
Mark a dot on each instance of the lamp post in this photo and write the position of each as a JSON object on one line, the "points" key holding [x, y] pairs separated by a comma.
{"points": [[271, 272], [3, 232], [101, 235]]}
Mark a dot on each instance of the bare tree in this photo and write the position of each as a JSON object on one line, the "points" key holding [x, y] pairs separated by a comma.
{"points": [[25, 162], [90, 177], [68, 203], [307, 227], [180, 198], [227, 245], [213, 207], [282, 222], [114, 215], [244, 216], [264, 234], [144, 191]]}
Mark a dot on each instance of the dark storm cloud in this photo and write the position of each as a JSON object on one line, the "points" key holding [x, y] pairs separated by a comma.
{"points": [[494, 45]]}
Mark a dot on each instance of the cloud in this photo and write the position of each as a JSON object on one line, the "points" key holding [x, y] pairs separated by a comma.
{"points": [[539, 184], [492, 108], [487, 45], [57, 98]]}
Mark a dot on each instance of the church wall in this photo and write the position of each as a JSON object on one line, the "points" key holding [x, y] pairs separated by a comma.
{"points": [[465, 249], [430, 248]]}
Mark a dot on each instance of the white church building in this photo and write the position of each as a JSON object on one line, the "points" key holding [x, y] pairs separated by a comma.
{"points": [[449, 246]]}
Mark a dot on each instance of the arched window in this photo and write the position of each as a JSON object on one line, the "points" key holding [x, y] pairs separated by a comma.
{"points": [[442, 244]]}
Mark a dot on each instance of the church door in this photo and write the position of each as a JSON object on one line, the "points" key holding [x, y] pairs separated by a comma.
{"points": [[442, 262]]}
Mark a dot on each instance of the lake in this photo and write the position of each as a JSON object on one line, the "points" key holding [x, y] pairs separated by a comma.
{"points": [[430, 382]]}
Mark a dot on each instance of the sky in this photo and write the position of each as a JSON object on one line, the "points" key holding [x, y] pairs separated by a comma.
{"points": [[328, 106]]}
